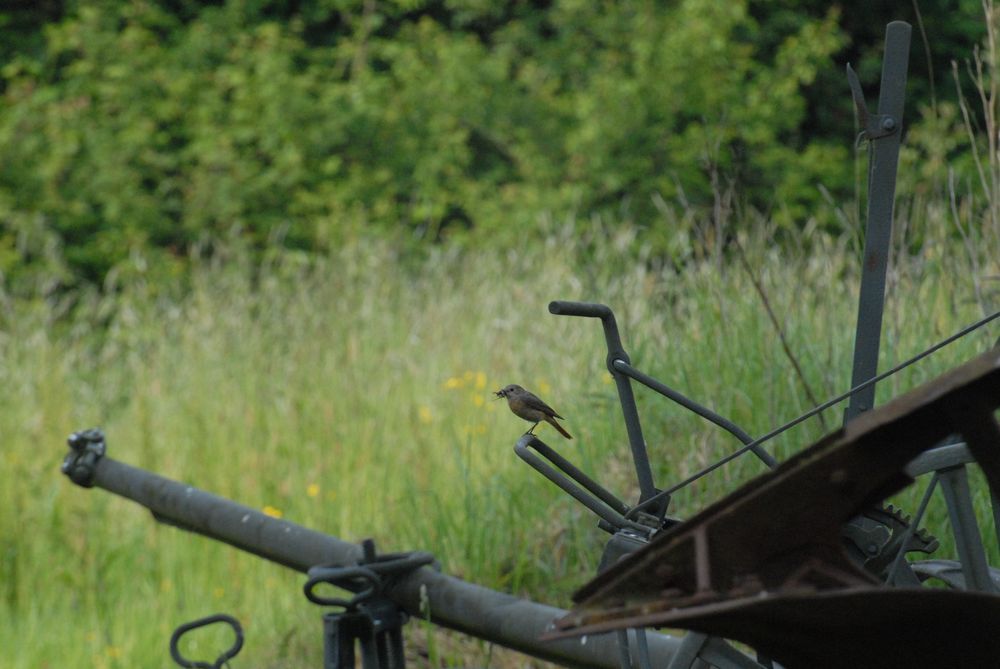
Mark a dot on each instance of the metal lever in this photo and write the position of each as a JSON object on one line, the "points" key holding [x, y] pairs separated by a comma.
{"points": [[886, 128]]}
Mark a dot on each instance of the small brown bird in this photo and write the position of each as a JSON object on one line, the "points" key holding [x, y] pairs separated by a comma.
{"points": [[527, 406]]}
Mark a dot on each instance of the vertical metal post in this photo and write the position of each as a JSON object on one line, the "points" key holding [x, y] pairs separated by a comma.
{"points": [[338, 644], [624, 656], [968, 541], [881, 193]]}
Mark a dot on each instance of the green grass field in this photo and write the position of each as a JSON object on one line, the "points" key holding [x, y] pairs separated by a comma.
{"points": [[353, 394]]}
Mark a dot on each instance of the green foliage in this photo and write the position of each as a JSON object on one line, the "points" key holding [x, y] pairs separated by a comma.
{"points": [[328, 390], [154, 128]]}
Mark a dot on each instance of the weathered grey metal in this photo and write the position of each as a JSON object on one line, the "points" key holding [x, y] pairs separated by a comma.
{"points": [[591, 494], [884, 133], [968, 540], [771, 551], [224, 656], [620, 367], [616, 351], [486, 614], [703, 411]]}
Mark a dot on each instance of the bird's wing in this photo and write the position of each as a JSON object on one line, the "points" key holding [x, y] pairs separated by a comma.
{"points": [[532, 401]]}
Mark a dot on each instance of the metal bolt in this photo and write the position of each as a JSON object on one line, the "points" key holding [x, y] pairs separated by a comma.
{"points": [[888, 123]]}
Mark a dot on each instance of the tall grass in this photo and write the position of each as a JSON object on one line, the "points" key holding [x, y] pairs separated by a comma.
{"points": [[352, 393]]}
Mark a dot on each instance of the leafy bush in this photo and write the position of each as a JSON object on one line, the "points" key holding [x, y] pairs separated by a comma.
{"points": [[143, 126]]}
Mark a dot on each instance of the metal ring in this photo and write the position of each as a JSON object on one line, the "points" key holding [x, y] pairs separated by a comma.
{"points": [[202, 622], [341, 577]]}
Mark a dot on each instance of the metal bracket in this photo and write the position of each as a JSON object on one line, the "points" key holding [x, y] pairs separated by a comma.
{"points": [[873, 126], [87, 447], [369, 618]]}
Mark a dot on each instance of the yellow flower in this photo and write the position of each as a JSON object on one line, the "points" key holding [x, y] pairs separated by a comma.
{"points": [[424, 414], [166, 585], [312, 490], [606, 377], [218, 592], [468, 376], [480, 380], [453, 383], [114, 651], [544, 388], [478, 400], [271, 511]]}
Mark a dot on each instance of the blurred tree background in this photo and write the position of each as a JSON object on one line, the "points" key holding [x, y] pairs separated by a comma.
{"points": [[153, 129]]}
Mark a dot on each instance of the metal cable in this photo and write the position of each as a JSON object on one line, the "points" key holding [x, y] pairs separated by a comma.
{"points": [[829, 403]]}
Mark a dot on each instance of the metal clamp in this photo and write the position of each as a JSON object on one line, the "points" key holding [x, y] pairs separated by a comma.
{"points": [[369, 618], [87, 447]]}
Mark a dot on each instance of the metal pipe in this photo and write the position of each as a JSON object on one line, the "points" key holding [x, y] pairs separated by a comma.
{"points": [[968, 540], [472, 609], [706, 413]]}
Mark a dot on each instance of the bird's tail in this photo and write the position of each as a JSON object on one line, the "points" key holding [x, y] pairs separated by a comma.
{"points": [[562, 430]]}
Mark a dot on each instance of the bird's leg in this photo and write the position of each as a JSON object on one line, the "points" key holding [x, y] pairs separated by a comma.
{"points": [[531, 430]]}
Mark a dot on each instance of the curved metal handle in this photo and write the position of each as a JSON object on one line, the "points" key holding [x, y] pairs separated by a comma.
{"points": [[342, 577], [584, 309], [182, 661]]}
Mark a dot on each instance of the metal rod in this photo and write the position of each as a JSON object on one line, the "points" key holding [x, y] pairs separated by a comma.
{"points": [[911, 529], [553, 456], [612, 508], [616, 351], [878, 231], [624, 656], [829, 403], [968, 541], [706, 413], [472, 609]]}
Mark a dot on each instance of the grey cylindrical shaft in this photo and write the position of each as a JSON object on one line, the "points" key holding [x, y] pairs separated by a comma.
{"points": [[453, 603]]}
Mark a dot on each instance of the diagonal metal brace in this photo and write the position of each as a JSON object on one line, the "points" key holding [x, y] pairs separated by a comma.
{"points": [[873, 126]]}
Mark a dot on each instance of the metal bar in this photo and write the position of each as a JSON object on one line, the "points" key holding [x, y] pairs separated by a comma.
{"points": [[608, 514], [550, 454], [616, 351], [466, 607], [689, 649], [891, 577], [968, 541], [881, 192], [624, 656], [720, 654], [642, 647], [982, 435], [706, 413], [950, 455]]}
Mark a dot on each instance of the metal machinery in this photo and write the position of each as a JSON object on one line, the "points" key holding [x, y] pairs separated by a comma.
{"points": [[802, 563]]}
